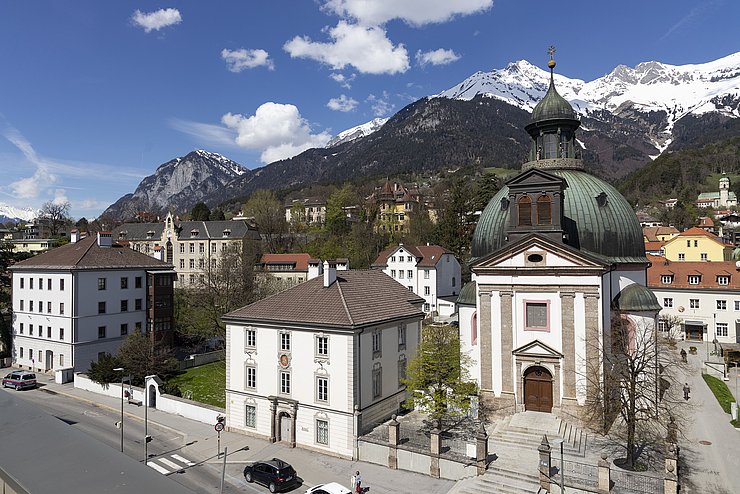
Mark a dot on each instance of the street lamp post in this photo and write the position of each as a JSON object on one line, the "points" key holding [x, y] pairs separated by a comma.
{"points": [[562, 465], [117, 369], [147, 438]]}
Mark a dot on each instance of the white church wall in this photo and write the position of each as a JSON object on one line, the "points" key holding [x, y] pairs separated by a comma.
{"points": [[579, 309], [465, 316], [496, 342]]}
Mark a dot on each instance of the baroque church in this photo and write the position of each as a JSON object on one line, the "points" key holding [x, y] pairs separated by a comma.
{"points": [[557, 257]]}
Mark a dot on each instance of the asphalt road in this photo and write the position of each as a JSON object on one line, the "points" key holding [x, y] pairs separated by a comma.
{"points": [[168, 452]]}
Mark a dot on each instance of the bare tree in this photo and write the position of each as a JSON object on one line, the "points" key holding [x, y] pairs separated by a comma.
{"points": [[635, 386], [57, 214], [269, 215]]}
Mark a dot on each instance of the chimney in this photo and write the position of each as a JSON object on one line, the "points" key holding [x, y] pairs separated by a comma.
{"points": [[74, 236], [314, 268], [105, 239], [330, 274], [158, 253]]}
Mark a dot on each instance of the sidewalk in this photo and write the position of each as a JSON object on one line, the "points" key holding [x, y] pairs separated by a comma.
{"points": [[710, 446], [314, 468]]}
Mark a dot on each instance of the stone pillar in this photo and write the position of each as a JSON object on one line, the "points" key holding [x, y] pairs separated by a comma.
{"points": [[568, 345], [435, 448], [670, 483], [545, 463], [519, 386], [273, 423], [293, 425], [507, 343], [605, 480], [671, 468], [393, 427], [481, 450], [556, 395], [485, 335], [593, 348]]}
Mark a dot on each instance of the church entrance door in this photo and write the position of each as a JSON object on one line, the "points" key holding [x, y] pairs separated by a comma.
{"points": [[538, 389]]}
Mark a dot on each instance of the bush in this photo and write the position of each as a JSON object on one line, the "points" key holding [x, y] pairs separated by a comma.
{"points": [[172, 389]]}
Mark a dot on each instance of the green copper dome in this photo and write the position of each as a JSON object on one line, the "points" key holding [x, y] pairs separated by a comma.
{"points": [[596, 218], [467, 294], [553, 107], [636, 298]]}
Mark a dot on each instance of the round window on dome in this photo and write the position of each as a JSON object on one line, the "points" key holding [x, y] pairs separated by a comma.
{"points": [[535, 258]]}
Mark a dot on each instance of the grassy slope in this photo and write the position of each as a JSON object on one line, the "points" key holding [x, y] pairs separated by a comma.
{"points": [[206, 382]]}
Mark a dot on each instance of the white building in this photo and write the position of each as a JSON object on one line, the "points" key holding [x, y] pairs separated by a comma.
{"points": [[430, 271], [703, 296], [320, 363], [76, 302]]}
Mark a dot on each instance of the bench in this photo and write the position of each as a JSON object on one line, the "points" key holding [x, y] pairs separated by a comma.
{"points": [[132, 401]]}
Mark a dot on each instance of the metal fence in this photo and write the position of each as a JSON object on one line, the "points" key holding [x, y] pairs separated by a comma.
{"points": [[625, 482]]}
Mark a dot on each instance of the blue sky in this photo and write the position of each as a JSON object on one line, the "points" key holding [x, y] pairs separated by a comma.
{"points": [[94, 95]]}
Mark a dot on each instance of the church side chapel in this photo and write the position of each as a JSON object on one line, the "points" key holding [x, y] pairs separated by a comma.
{"points": [[557, 258]]}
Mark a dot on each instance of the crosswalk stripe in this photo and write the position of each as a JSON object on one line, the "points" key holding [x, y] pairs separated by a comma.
{"points": [[183, 460], [170, 464], [158, 468]]}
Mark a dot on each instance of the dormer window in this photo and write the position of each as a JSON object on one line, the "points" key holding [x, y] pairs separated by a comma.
{"points": [[150, 234], [666, 279], [227, 232], [544, 210], [194, 233], [524, 204], [694, 279], [723, 280]]}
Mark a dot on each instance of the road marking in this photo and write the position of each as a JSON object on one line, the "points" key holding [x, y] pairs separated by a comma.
{"points": [[158, 468], [183, 460], [170, 464]]}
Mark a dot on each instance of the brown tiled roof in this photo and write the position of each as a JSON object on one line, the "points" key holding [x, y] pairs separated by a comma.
{"points": [[300, 260], [358, 298], [426, 255], [654, 245], [652, 232], [681, 271], [86, 254]]}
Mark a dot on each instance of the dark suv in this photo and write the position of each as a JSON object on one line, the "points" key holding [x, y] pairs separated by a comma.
{"points": [[276, 474], [20, 380]]}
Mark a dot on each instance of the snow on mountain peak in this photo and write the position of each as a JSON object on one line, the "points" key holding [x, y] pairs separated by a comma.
{"points": [[16, 213], [361, 130]]}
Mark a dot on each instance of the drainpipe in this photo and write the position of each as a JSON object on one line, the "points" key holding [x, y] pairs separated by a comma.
{"points": [[356, 410]]}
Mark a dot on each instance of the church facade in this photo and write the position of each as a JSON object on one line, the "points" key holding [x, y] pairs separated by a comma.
{"points": [[558, 257]]}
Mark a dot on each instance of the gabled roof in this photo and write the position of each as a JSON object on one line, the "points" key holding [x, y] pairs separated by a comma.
{"points": [[87, 254], [654, 246], [205, 230], [357, 298], [651, 232], [427, 256], [680, 271], [695, 232], [300, 260]]}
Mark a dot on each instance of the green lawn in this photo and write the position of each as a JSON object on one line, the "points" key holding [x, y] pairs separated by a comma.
{"points": [[206, 382], [721, 392]]}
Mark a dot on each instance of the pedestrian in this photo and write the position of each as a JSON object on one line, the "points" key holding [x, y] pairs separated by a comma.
{"points": [[683, 354], [356, 482], [686, 391]]}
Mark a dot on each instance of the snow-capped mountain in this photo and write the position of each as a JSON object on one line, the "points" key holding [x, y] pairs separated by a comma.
{"points": [[15, 214], [361, 130], [676, 90], [179, 184]]}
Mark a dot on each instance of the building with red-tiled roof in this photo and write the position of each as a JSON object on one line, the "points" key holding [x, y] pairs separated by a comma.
{"points": [[320, 363], [696, 244], [430, 271], [79, 301], [659, 233], [295, 268], [704, 296]]}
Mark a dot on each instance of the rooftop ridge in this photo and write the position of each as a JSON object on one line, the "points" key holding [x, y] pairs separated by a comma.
{"points": [[344, 303]]}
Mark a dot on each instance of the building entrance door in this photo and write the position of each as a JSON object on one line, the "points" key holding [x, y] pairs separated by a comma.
{"points": [[538, 389], [49, 360], [285, 427], [694, 332]]}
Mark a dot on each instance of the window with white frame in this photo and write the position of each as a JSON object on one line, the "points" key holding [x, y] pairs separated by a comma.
{"points": [[61, 285], [723, 280], [427, 308], [681, 256], [400, 274], [721, 329], [703, 256], [426, 274], [721, 304], [322, 346], [536, 315], [285, 382], [402, 337], [666, 279], [409, 274], [250, 338], [411, 288], [250, 416], [322, 388], [285, 342], [377, 343], [393, 258], [322, 431], [693, 303], [668, 303], [737, 304], [377, 381], [250, 377], [694, 279], [662, 325], [393, 273], [427, 290], [101, 283]]}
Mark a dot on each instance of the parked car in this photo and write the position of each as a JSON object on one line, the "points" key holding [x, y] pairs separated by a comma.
{"points": [[20, 380], [276, 474], [330, 488]]}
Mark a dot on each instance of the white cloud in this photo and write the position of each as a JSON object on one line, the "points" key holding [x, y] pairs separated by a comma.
{"points": [[366, 48], [436, 57], [243, 58], [343, 103], [381, 105], [277, 130], [413, 12], [343, 80], [29, 187], [208, 133], [60, 196], [154, 21]]}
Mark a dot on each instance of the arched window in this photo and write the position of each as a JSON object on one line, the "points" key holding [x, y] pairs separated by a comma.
{"points": [[544, 210], [474, 329], [525, 210]]}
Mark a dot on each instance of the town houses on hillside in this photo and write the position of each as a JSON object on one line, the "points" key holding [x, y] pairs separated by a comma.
{"points": [[295, 268], [79, 301]]}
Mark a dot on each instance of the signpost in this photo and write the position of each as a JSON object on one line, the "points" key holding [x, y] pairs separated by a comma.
{"points": [[220, 424]]}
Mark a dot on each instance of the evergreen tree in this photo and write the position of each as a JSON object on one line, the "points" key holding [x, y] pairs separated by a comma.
{"points": [[200, 212]]}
